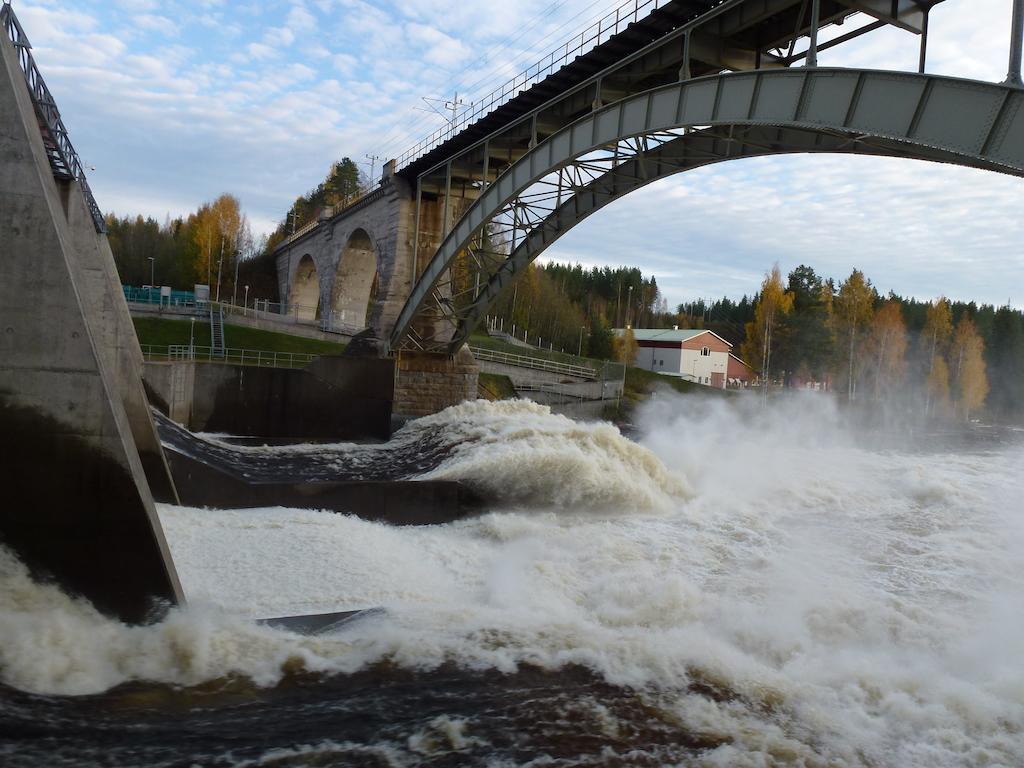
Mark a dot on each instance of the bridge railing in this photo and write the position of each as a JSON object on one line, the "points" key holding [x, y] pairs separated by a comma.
{"points": [[600, 32], [64, 161], [535, 363], [258, 357]]}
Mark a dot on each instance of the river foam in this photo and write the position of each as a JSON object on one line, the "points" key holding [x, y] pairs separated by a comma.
{"points": [[848, 606]]}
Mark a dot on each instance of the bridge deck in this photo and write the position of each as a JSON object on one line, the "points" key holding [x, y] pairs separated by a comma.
{"points": [[740, 38]]}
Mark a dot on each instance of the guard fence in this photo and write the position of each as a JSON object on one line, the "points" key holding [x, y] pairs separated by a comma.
{"points": [[230, 356]]}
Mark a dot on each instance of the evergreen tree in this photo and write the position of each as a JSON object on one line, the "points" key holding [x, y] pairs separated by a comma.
{"points": [[1006, 364]]}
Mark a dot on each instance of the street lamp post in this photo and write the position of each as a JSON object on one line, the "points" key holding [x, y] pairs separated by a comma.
{"points": [[192, 340], [152, 271], [579, 349], [629, 304], [246, 302]]}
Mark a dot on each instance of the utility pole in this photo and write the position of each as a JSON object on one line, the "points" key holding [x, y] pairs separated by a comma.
{"points": [[449, 105], [220, 264], [373, 167]]}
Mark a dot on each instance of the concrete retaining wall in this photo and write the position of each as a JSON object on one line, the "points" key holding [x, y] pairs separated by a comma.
{"points": [[333, 398], [74, 428]]}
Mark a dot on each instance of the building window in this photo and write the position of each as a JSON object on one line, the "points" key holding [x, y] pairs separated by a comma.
{"points": [[705, 351]]}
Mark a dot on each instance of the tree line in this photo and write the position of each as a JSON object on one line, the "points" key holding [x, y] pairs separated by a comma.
{"points": [[945, 358], [215, 245], [951, 357], [212, 246]]}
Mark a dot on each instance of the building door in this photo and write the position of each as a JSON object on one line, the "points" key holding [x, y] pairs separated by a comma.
{"points": [[718, 380]]}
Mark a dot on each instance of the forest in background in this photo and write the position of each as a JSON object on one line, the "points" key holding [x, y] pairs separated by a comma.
{"points": [[944, 357], [948, 357], [214, 244]]}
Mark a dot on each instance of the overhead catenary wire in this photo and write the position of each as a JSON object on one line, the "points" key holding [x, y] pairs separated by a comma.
{"points": [[499, 77], [390, 139]]}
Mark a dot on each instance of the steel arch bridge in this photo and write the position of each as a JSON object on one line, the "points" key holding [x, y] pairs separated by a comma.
{"points": [[689, 124]]}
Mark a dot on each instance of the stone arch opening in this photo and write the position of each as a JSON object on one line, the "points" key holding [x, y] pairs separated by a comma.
{"points": [[304, 299], [356, 283]]}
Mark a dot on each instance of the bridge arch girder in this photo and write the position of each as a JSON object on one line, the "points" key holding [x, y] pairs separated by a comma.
{"points": [[675, 128]]}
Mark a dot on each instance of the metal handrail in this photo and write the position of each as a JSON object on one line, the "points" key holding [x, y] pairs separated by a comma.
{"points": [[536, 363], [64, 161], [258, 357], [609, 24], [366, 197], [680, 31], [301, 231]]}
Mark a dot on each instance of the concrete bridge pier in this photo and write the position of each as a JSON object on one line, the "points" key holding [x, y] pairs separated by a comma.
{"points": [[375, 242], [427, 382]]}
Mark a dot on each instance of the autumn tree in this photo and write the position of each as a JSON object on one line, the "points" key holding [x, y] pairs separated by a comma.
{"points": [[937, 385], [774, 303], [938, 326], [969, 379], [887, 346], [853, 310], [626, 348]]}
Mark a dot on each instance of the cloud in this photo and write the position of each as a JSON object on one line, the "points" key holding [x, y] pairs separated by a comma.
{"points": [[914, 227], [438, 47], [259, 99], [138, 6], [154, 23]]}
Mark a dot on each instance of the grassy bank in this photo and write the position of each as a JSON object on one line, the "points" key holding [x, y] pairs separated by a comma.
{"points": [[496, 386], [161, 332]]}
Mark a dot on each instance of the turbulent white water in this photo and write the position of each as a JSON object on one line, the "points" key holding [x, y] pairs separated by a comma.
{"points": [[860, 607]]}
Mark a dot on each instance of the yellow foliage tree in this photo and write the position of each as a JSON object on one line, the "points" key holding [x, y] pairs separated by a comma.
{"points": [[970, 381], [217, 229], [626, 348], [774, 302], [938, 326], [854, 308], [888, 346], [938, 385]]}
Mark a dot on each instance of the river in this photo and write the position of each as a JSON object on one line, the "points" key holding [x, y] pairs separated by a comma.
{"points": [[732, 587]]}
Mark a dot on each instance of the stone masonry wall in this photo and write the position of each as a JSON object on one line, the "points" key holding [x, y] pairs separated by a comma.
{"points": [[427, 383]]}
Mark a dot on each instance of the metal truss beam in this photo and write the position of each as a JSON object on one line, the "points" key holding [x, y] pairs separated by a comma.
{"points": [[686, 125]]}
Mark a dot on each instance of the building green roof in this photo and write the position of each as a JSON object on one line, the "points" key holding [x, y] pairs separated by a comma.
{"points": [[661, 334]]}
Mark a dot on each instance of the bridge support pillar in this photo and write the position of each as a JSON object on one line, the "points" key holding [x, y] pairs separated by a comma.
{"points": [[427, 382]]}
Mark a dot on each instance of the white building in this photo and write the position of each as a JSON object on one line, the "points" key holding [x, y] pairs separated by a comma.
{"points": [[699, 356]]}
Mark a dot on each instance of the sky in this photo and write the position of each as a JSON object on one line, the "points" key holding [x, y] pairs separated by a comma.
{"points": [[173, 102]]}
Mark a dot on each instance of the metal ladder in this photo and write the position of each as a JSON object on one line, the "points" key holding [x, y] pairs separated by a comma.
{"points": [[217, 332]]}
